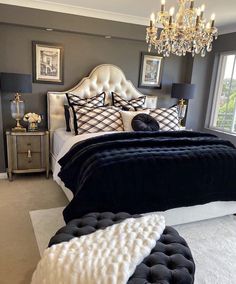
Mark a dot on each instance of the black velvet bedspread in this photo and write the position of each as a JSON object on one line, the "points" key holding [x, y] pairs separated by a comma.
{"points": [[148, 171]]}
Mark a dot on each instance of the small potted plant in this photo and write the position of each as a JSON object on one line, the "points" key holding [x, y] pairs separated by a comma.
{"points": [[33, 119]]}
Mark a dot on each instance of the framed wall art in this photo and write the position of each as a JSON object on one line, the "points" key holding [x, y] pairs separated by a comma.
{"points": [[150, 74], [48, 63]]}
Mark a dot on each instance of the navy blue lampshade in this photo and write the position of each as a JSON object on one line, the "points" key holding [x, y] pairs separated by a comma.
{"points": [[183, 91], [16, 83]]}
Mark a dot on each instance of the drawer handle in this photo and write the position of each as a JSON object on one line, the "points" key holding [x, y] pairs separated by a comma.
{"points": [[29, 154], [29, 144]]}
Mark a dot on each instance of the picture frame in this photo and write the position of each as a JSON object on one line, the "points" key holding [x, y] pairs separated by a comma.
{"points": [[47, 63], [151, 67]]}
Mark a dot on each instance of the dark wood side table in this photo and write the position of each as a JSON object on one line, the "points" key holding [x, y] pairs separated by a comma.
{"points": [[27, 152]]}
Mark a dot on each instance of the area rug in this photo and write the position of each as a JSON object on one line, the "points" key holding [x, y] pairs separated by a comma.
{"points": [[45, 223], [212, 242]]}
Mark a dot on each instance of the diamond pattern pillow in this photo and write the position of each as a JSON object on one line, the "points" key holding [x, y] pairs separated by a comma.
{"points": [[96, 101], [132, 104], [93, 120], [167, 118]]}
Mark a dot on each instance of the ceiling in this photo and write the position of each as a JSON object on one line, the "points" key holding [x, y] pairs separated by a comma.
{"points": [[130, 11]]}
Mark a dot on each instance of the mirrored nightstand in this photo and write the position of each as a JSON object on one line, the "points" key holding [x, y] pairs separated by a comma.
{"points": [[27, 152]]}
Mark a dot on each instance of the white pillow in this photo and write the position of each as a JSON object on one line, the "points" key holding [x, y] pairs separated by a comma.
{"points": [[127, 117]]}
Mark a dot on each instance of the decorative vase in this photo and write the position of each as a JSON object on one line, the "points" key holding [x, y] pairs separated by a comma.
{"points": [[33, 126]]}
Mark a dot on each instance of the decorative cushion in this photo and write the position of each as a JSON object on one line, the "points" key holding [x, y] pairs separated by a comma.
{"points": [[96, 101], [132, 104], [170, 261], [167, 118], [93, 120], [67, 117], [144, 122], [127, 117]]}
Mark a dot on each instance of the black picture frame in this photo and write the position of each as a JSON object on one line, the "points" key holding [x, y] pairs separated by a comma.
{"points": [[52, 69], [154, 78]]}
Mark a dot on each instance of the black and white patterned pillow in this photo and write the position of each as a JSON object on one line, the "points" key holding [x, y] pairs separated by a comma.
{"points": [[93, 120], [96, 101], [124, 104], [167, 118]]}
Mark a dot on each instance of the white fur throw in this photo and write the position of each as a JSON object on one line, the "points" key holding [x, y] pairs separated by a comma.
{"points": [[108, 256]]}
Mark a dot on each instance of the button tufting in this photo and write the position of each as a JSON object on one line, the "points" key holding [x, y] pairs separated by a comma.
{"points": [[170, 261]]}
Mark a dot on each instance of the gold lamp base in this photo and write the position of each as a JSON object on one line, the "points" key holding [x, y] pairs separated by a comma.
{"points": [[181, 111], [19, 127]]}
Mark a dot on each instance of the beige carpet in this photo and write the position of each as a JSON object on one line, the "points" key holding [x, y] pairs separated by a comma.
{"points": [[19, 253]]}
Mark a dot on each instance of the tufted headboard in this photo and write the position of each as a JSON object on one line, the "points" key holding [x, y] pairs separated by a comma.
{"points": [[104, 78]]}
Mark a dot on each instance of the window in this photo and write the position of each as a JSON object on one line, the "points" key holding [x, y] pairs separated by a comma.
{"points": [[224, 103]]}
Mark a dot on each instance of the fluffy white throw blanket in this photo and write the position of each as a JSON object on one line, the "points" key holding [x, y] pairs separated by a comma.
{"points": [[108, 256]]}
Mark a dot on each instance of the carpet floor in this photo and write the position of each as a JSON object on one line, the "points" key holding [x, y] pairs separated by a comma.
{"points": [[19, 252]]}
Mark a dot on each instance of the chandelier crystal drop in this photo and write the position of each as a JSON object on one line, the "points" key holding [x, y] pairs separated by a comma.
{"points": [[184, 32]]}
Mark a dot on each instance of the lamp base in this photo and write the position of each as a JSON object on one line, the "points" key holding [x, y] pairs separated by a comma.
{"points": [[18, 129]]}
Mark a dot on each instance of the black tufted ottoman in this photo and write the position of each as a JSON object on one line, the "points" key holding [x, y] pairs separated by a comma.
{"points": [[170, 261]]}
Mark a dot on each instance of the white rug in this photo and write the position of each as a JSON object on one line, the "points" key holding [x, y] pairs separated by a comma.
{"points": [[212, 242], [45, 223]]}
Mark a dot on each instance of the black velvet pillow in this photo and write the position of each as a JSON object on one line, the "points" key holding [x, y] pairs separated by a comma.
{"points": [[67, 117], [144, 122]]}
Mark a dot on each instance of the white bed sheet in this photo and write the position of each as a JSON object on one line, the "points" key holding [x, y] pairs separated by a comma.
{"points": [[60, 136], [173, 216]]}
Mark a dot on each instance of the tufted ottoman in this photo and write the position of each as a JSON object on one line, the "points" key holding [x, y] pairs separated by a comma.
{"points": [[170, 261]]}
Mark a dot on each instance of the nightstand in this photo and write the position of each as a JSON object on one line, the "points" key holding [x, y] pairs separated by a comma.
{"points": [[27, 152]]}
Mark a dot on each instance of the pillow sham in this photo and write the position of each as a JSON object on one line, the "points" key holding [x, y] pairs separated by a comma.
{"points": [[144, 122], [124, 104], [127, 117], [167, 118], [93, 120], [67, 117], [95, 101]]}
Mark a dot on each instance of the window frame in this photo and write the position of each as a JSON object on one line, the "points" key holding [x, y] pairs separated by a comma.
{"points": [[216, 84]]}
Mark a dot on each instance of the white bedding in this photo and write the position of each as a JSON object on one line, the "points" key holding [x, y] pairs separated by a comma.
{"points": [[60, 136], [174, 216]]}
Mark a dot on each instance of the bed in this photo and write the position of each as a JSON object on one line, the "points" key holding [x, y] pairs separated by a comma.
{"points": [[110, 78]]}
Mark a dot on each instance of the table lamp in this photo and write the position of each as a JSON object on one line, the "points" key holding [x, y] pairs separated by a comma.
{"points": [[17, 83], [182, 91]]}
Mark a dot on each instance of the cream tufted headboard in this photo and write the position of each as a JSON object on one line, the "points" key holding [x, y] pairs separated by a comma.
{"points": [[104, 78]]}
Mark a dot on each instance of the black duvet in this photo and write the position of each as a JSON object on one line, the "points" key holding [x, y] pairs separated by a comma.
{"points": [[148, 171]]}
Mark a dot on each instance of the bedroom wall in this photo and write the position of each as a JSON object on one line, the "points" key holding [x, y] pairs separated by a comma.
{"points": [[2, 168], [83, 52]]}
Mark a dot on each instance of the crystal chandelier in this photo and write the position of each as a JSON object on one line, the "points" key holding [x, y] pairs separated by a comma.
{"points": [[187, 31]]}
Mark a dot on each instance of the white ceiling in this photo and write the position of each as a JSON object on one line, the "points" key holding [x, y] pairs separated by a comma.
{"points": [[130, 11]]}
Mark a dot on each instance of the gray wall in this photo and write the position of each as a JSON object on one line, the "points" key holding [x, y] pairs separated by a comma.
{"points": [[83, 52], [201, 77], [2, 168]]}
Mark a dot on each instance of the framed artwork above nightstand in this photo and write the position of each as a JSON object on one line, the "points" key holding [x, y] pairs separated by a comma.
{"points": [[27, 152]]}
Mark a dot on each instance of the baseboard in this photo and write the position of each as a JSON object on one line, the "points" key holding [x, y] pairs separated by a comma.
{"points": [[3, 175]]}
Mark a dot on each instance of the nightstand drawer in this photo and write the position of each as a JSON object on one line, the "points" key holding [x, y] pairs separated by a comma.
{"points": [[25, 143], [26, 163]]}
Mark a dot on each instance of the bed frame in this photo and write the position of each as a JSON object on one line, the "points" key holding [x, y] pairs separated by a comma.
{"points": [[110, 78]]}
